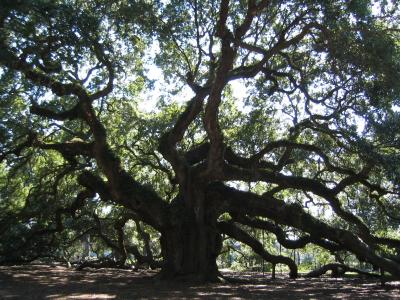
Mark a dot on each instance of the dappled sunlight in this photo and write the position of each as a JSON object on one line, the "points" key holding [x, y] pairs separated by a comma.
{"points": [[56, 282], [82, 296]]}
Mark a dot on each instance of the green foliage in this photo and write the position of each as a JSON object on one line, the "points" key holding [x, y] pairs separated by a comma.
{"points": [[334, 88]]}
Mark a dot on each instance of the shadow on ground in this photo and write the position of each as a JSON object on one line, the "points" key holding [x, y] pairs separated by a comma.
{"points": [[57, 282]]}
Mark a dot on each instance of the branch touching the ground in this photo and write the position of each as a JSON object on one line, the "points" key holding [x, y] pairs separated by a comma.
{"points": [[240, 235], [247, 203], [312, 185], [338, 270]]}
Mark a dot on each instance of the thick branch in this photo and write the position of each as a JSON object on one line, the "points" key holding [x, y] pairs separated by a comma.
{"points": [[242, 236], [70, 114], [240, 202], [338, 270], [306, 184], [169, 140], [281, 235]]}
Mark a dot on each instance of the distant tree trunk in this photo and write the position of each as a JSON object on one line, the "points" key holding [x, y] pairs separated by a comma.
{"points": [[86, 246], [273, 271], [382, 276]]}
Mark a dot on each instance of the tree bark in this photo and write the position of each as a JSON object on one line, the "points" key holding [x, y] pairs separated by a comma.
{"points": [[338, 270], [191, 242]]}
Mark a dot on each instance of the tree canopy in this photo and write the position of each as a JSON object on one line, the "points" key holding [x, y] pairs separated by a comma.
{"points": [[161, 128]]}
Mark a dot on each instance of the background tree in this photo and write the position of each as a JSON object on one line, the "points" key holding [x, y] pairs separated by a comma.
{"points": [[306, 155]]}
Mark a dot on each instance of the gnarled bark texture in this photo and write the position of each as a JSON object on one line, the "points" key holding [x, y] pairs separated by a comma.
{"points": [[190, 241]]}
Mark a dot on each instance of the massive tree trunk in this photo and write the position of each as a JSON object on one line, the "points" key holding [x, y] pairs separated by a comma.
{"points": [[191, 243], [190, 250]]}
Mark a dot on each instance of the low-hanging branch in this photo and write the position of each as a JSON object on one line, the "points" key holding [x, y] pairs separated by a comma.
{"points": [[301, 242], [240, 235], [240, 202], [314, 186], [121, 247], [337, 270]]}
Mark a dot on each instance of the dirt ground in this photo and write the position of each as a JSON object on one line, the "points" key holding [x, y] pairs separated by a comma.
{"points": [[57, 282]]}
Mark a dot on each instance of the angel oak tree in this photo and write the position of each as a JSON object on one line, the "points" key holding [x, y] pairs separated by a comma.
{"points": [[318, 125]]}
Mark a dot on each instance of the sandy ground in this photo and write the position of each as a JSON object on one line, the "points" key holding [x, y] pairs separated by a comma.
{"points": [[57, 282]]}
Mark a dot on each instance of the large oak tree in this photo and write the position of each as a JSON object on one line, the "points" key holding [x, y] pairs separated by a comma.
{"points": [[266, 110]]}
